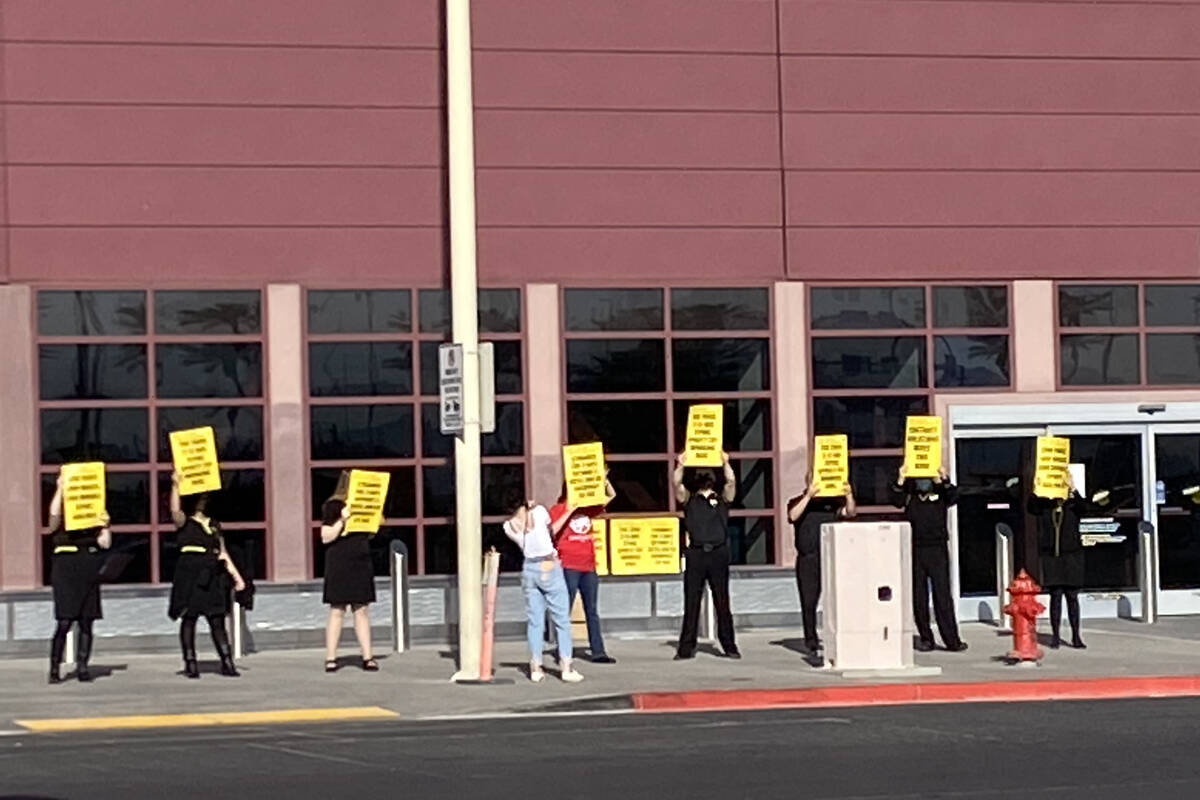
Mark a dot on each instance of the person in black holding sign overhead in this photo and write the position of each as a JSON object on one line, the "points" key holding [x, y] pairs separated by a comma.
{"points": [[202, 579], [349, 577], [807, 513], [926, 502], [1062, 559], [706, 523], [74, 576]]}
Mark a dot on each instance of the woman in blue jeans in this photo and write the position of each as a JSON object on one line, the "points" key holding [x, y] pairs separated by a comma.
{"points": [[544, 587]]}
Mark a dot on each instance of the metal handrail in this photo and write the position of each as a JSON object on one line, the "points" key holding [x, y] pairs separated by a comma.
{"points": [[1004, 571]]}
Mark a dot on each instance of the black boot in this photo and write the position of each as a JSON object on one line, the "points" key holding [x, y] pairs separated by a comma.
{"points": [[228, 668], [55, 673], [85, 654], [220, 639], [58, 643], [187, 642]]}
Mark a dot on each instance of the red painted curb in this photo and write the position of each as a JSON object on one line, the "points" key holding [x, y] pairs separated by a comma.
{"points": [[920, 693]]}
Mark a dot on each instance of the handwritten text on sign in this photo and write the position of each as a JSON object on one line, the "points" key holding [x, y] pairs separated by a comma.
{"points": [[647, 546], [923, 447], [195, 455], [1053, 458], [83, 496], [703, 448], [583, 466], [366, 496], [831, 465]]}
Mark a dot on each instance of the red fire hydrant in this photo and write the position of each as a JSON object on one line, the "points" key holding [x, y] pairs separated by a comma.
{"points": [[1024, 610]]}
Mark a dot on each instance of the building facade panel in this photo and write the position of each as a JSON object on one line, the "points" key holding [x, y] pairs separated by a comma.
{"points": [[264, 22], [962, 27], [241, 136], [885, 141]]}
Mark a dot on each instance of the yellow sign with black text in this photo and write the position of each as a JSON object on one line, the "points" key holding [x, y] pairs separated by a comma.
{"points": [[83, 495], [583, 466], [922, 447], [1053, 461], [195, 455], [600, 539], [646, 546], [831, 464], [704, 427], [365, 497]]}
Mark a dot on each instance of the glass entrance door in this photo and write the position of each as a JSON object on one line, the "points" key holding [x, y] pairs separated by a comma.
{"points": [[1177, 511]]}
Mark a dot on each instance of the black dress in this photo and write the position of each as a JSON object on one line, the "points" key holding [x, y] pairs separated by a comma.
{"points": [[1059, 542], [202, 583], [349, 576], [74, 574]]}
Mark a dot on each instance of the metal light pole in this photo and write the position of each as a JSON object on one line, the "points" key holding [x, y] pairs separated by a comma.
{"points": [[464, 306]]}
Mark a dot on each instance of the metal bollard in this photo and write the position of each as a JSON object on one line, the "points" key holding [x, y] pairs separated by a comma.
{"points": [[1147, 574], [69, 650], [237, 620], [1004, 572], [399, 562]]}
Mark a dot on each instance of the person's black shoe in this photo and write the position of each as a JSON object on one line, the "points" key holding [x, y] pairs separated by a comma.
{"points": [[681, 656], [191, 668], [733, 653], [957, 648], [83, 674], [923, 646], [1055, 643], [1078, 644], [603, 659], [55, 675], [229, 669], [812, 647]]}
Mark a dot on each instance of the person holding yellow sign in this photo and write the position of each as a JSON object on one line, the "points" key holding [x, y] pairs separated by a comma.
{"points": [[349, 577], [1062, 558], [202, 578], [576, 545], [706, 522], [74, 576], [808, 512]]}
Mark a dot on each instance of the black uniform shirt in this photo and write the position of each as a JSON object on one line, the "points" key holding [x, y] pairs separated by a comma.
{"points": [[927, 513], [706, 519], [808, 527]]}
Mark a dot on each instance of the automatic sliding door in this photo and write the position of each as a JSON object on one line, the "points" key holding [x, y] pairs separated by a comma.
{"points": [[1177, 461], [994, 475]]}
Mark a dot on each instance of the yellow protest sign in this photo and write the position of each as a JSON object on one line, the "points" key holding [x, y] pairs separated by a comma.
{"points": [[366, 496], [83, 495], [583, 466], [646, 546], [1053, 460], [195, 455], [600, 539], [704, 429], [831, 464], [922, 447]]}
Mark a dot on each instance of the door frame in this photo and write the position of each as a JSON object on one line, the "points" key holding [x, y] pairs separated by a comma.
{"points": [[1147, 420]]}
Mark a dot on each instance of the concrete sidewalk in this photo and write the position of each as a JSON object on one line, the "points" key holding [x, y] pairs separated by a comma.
{"points": [[416, 684]]}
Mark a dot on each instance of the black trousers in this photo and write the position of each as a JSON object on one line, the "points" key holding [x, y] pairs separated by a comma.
{"points": [[711, 567], [808, 581], [931, 565]]}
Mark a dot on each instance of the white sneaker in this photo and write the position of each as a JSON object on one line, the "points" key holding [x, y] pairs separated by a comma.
{"points": [[536, 674], [571, 676]]}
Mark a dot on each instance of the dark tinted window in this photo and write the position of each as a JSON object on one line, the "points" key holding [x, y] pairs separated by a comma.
{"points": [[754, 484], [970, 306], [1099, 360], [752, 540], [127, 497], [613, 309], [358, 432], [92, 371], [1177, 305], [207, 312], [850, 308], [388, 311], [401, 497], [91, 313], [971, 361], [499, 310], [209, 370], [640, 486], [721, 365], [360, 368], [112, 435], [720, 309], [870, 422], [868, 363], [615, 365], [507, 440], [872, 479], [1097, 306], [1173, 358], [238, 429], [625, 426]]}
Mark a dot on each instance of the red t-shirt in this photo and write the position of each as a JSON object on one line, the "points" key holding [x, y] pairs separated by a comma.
{"points": [[576, 548]]}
